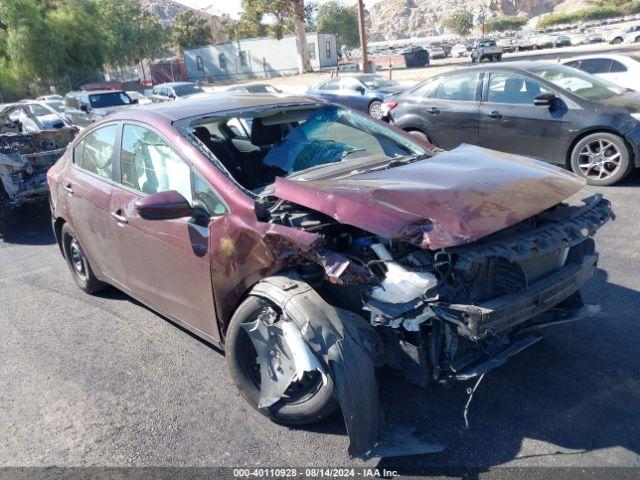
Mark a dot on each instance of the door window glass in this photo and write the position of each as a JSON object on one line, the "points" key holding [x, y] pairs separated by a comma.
{"points": [[204, 194], [509, 88], [596, 65], [333, 84], [617, 67], [96, 151], [459, 87], [350, 83], [150, 166]]}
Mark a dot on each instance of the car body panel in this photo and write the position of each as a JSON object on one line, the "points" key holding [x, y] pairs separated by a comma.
{"points": [[518, 128], [452, 198]]}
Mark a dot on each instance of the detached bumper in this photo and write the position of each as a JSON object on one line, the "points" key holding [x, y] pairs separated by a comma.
{"points": [[503, 313]]}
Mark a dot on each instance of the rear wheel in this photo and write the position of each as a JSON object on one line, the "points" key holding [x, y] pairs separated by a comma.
{"points": [[78, 263], [375, 109], [617, 41], [306, 401], [601, 158]]}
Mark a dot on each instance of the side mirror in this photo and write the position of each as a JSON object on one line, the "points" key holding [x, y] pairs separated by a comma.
{"points": [[134, 101], [545, 100], [360, 89], [163, 206], [84, 108]]}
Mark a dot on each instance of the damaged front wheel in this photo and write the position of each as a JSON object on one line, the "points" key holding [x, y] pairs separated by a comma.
{"points": [[306, 400]]}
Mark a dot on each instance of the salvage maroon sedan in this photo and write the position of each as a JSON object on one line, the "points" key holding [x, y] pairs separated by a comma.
{"points": [[314, 244]]}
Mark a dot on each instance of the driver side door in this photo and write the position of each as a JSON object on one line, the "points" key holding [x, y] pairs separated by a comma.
{"points": [[510, 122]]}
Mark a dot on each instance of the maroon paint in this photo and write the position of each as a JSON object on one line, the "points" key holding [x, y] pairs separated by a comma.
{"points": [[182, 269], [452, 198]]}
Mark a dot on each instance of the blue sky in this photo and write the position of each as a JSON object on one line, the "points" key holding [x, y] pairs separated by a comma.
{"points": [[233, 7]]}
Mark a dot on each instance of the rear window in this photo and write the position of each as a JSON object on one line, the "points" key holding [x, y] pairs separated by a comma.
{"points": [[110, 99]]}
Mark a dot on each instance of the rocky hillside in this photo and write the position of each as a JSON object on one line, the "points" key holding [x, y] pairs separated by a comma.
{"points": [[167, 10], [397, 19]]}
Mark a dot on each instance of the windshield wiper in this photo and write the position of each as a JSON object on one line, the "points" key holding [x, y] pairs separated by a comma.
{"points": [[397, 161]]}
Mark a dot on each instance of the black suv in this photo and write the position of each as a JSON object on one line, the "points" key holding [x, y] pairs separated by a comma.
{"points": [[85, 107]]}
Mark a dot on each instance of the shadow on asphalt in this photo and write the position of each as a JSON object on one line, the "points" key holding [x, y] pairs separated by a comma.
{"points": [[577, 389], [30, 225]]}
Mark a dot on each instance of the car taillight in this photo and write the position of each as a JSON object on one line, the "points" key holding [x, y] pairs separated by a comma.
{"points": [[387, 107]]}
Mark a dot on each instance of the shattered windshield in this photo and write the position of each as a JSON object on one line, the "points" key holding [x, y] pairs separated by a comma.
{"points": [[329, 135], [285, 141]]}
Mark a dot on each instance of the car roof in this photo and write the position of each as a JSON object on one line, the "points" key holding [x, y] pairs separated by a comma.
{"points": [[174, 84], [611, 56], [212, 103], [517, 66]]}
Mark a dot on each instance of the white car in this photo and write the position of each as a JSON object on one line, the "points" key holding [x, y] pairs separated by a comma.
{"points": [[623, 70], [142, 100], [459, 50], [623, 34], [47, 98]]}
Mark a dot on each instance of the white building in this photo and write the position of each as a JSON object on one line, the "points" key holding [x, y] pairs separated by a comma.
{"points": [[258, 58]]}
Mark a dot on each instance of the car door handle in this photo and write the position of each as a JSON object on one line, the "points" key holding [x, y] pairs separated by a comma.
{"points": [[68, 188], [119, 217], [433, 111], [495, 114]]}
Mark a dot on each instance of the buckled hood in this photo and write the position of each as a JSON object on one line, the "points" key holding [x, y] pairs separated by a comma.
{"points": [[450, 199]]}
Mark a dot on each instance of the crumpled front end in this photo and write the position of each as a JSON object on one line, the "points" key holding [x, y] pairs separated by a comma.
{"points": [[437, 315]]}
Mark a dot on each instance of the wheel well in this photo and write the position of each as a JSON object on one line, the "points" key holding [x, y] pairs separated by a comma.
{"points": [[567, 159], [57, 230]]}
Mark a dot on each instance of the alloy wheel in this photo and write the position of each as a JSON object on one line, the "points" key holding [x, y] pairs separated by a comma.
{"points": [[599, 159], [375, 110]]}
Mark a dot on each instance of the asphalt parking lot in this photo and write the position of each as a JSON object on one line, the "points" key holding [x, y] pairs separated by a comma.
{"points": [[104, 381]]}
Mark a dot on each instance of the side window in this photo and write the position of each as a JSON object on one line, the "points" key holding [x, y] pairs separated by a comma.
{"points": [[459, 87], [222, 61], [333, 84], [349, 83], [327, 46], [199, 62], [573, 64], [596, 65], [150, 166], [204, 194], [96, 151], [510, 88], [311, 46], [427, 90], [617, 67]]}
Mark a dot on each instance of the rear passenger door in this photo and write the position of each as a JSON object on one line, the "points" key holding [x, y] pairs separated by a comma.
{"points": [[89, 184], [452, 111], [164, 263]]}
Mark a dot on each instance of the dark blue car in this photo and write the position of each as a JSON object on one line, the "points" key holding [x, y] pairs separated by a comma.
{"points": [[364, 92]]}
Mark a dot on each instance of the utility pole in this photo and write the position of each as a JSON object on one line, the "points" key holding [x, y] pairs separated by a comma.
{"points": [[363, 37]]}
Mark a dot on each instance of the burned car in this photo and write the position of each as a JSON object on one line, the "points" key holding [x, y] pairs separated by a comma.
{"points": [[314, 245], [28, 147]]}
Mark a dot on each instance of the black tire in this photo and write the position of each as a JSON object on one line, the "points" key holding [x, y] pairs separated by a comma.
{"points": [[309, 404], [617, 41], [592, 167], [78, 262], [375, 109]]}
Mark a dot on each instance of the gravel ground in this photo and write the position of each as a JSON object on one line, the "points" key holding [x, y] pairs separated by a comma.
{"points": [[104, 381]]}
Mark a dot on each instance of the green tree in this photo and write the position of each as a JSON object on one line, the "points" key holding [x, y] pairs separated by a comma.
{"points": [[285, 16], [460, 22], [190, 30], [333, 17], [506, 23]]}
